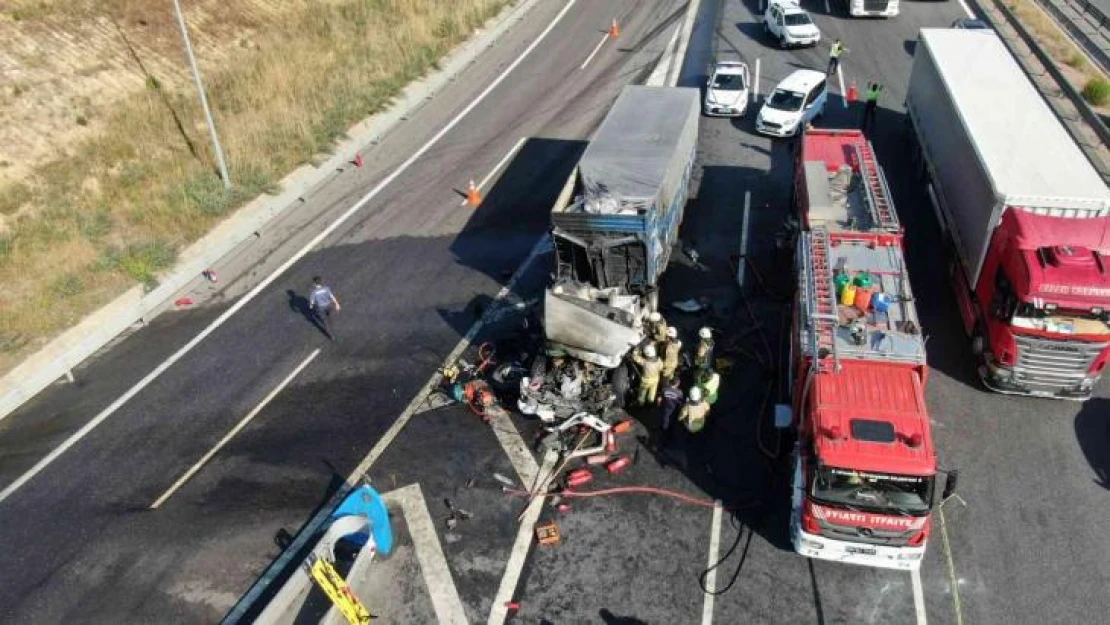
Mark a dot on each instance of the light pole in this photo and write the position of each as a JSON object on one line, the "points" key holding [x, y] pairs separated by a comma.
{"points": [[203, 98]]}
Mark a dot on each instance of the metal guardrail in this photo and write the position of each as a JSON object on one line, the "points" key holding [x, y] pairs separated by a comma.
{"points": [[1091, 118], [1097, 19]]}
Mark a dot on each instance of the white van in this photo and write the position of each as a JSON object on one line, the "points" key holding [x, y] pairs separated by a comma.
{"points": [[794, 103]]}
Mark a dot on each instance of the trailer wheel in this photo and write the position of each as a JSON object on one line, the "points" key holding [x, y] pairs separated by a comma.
{"points": [[621, 385]]}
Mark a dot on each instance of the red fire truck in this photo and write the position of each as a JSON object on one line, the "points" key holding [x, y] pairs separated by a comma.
{"points": [[864, 467]]}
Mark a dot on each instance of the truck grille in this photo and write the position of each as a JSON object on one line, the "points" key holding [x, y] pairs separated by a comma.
{"points": [[876, 6], [871, 536], [1048, 364]]}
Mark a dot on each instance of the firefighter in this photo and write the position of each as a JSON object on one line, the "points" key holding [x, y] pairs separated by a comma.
{"points": [[672, 350], [694, 412], [650, 370], [709, 381], [703, 354], [657, 329]]}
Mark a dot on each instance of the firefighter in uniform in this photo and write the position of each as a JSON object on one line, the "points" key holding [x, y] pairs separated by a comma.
{"points": [[657, 329], [650, 370], [672, 350], [709, 381], [703, 354], [694, 412]]}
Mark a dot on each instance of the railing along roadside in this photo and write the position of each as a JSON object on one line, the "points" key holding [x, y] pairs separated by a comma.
{"points": [[1091, 119], [1092, 15]]}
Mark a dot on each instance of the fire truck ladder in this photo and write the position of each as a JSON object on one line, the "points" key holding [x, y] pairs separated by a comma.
{"points": [[877, 193], [820, 298]]}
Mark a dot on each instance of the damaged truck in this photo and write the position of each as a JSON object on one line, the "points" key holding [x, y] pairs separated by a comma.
{"points": [[613, 227]]}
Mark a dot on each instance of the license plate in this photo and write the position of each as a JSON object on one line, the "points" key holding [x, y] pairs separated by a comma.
{"points": [[864, 551]]}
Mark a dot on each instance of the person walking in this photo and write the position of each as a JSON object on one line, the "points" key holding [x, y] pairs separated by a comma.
{"points": [[672, 351], [650, 370], [835, 51], [321, 300], [703, 353], [874, 89], [670, 400]]}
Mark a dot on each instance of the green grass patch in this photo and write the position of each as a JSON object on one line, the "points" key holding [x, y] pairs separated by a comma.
{"points": [[1097, 91]]}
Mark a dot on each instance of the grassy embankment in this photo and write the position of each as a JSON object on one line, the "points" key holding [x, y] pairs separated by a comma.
{"points": [[118, 210], [1079, 71]]}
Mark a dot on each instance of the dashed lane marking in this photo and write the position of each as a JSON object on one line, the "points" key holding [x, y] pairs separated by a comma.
{"points": [[711, 576], [498, 166]]}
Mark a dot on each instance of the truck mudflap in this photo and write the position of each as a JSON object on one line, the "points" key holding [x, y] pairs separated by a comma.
{"points": [[881, 556], [589, 330]]}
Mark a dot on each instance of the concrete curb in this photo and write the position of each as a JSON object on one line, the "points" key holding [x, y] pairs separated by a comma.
{"points": [[61, 355]]}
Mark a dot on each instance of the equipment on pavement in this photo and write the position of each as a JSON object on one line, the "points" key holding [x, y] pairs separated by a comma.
{"points": [[1024, 214]]}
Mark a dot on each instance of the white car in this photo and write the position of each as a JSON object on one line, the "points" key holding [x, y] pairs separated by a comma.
{"points": [[795, 102], [790, 24], [726, 92]]}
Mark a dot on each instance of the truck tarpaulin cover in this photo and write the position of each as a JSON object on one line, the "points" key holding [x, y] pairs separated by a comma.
{"points": [[640, 155]]}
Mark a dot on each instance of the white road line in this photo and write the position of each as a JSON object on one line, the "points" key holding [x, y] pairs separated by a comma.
{"points": [[966, 8], [828, 10], [517, 557], [658, 76], [741, 270], [498, 166], [604, 38], [918, 597], [843, 93], [433, 564], [515, 448], [237, 306], [235, 430], [953, 581], [711, 576], [755, 85], [674, 73]]}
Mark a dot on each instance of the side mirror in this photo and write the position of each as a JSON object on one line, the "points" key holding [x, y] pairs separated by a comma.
{"points": [[950, 484]]}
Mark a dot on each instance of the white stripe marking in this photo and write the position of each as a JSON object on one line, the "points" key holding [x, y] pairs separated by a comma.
{"points": [[755, 91], [953, 581], [517, 557], [515, 448], [235, 430], [843, 93], [498, 166], [742, 269], [691, 16], [828, 10], [658, 76], [433, 564], [711, 576], [918, 597], [237, 306], [966, 8], [604, 38]]}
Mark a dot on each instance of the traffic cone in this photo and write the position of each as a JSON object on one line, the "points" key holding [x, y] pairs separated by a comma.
{"points": [[472, 196], [614, 30], [853, 93], [183, 301]]}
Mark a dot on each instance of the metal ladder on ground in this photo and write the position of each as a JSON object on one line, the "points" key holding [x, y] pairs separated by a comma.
{"points": [[820, 299], [877, 192]]}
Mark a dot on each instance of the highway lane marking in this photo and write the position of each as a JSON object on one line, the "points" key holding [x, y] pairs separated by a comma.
{"points": [[684, 41], [250, 295], [952, 579], [499, 611], [711, 576], [755, 85], [309, 530], [742, 269], [235, 430], [429, 552], [658, 76], [498, 166], [604, 38], [918, 596], [828, 9], [843, 93], [515, 448], [966, 8]]}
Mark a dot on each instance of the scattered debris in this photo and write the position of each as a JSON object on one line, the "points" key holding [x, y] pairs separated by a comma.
{"points": [[457, 514], [618, 464], [547, 533], [504, 480]]}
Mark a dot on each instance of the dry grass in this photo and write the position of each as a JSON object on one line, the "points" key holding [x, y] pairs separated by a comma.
{"points": [[115, 213], [1056, 43]]}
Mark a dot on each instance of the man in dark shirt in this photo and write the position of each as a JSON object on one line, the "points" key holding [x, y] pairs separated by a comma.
{"points": [[670, 400]]}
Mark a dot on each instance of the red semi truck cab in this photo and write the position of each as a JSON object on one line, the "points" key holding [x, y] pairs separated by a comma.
{"points": [[864, 480]]}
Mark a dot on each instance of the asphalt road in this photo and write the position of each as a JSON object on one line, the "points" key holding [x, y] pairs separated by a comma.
{"points": [[414, 271]]}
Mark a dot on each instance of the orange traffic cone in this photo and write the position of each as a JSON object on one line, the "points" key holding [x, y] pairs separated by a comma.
{"points": [[472, 196], [614, 30], [853, 93]]}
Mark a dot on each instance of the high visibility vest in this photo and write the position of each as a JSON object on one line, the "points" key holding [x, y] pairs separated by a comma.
{"points": [[836, 50]]}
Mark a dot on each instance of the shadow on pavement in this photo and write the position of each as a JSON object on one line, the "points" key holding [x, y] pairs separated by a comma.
{"points": [[1092, 430]]}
